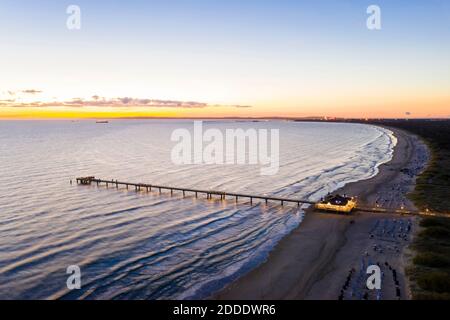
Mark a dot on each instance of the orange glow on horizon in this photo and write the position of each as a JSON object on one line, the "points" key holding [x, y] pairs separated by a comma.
{"points": [[423, 107]]}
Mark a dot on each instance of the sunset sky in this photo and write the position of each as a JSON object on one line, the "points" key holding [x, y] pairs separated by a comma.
{"points": [[229, 58]]}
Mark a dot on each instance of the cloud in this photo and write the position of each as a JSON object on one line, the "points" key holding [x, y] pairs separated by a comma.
{"points": [[239, 106], [31, 91], [408, 113], [97, 101]]}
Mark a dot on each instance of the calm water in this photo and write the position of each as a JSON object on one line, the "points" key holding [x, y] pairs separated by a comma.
{"points": [[150, 246]]}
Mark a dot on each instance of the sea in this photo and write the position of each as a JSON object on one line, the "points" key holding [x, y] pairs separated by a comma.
{"points": [[139, 245]]}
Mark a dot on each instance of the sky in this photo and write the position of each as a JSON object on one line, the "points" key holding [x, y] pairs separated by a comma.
{"points": [[252, 58]]}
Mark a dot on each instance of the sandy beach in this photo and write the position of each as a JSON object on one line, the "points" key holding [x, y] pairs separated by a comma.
{"points": [[327, 255]]}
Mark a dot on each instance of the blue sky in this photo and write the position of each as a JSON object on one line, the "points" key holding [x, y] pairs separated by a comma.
{"points": [[299, 57]]}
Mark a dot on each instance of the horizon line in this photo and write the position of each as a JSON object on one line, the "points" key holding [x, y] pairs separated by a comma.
{"points": [[308, 118]]}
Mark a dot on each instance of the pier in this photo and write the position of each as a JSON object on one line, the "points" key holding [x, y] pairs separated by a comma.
{"points": [[196, 192], [222, 195]]}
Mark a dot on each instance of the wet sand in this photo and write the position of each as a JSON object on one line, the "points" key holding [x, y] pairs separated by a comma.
{"points": [[326, 250]]}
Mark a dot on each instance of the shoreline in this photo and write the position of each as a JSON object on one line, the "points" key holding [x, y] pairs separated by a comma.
{"points": [[306, 264]]}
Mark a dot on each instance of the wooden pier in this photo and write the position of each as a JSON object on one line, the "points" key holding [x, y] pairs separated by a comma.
{"points": [[196, 192], [222, 195]]}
